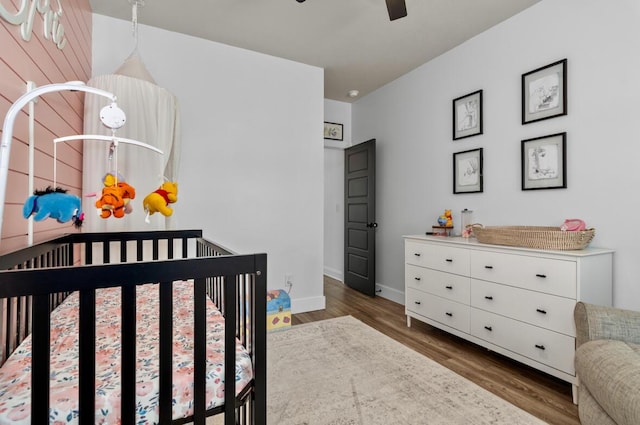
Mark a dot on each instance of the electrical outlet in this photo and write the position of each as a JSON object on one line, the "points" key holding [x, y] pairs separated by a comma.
{"points": [[288, 281]]}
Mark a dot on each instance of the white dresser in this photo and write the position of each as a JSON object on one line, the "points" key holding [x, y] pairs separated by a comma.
{"points": [[515, 301]]}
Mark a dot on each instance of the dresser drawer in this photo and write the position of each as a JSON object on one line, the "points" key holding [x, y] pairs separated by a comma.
{"points": [[551, 276], [550, 348], [447, 312], [438, 257], [544, 310], [446, 285]]}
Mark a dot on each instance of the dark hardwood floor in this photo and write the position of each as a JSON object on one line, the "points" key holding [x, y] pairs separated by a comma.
{"points": [[540, 394]]}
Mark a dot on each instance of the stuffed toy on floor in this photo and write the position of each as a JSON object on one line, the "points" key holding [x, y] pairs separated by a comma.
{"points": [[159, 200], [56, 204]]}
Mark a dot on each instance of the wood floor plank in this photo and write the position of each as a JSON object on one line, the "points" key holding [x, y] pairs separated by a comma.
{"points": [[542, 395]]}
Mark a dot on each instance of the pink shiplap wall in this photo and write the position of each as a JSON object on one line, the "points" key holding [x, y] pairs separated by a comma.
{"points": [[56, 114]]}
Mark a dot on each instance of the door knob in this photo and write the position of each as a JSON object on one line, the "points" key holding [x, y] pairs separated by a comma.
{"points": [[373, 225]]}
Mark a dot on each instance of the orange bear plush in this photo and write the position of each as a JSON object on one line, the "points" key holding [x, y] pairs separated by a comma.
{"points": [[128, 193], [116, 197], [111, 202]]}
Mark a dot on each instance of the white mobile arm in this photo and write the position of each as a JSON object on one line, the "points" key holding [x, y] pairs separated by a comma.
{"points": [[14, 109]]}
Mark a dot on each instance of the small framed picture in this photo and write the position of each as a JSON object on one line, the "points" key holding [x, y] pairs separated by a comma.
{"points": [[467, 115], [332, 131], [544, 92], [467, 171], [544, 162]]}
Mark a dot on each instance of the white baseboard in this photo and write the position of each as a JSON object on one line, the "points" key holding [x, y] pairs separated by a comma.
{"points": [[303, 305], [390, 293], [334, 273], [385, 291]]}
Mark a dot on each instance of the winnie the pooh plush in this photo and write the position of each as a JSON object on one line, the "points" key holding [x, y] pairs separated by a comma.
{"points": [[159, 200]]}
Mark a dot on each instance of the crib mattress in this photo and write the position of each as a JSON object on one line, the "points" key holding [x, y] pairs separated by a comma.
{"points": [[15, 375]]}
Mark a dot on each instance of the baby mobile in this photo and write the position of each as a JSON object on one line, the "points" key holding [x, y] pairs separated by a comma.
{"points": [[116, 194]]}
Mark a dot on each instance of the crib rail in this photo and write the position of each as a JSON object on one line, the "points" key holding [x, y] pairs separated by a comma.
{"points": [[15, 317], [236, 284]]}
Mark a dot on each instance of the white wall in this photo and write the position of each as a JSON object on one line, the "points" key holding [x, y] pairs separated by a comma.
{"points": [[338, 112], [411, 120], [251, 170]]}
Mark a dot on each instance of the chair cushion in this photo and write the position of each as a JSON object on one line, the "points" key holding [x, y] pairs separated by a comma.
{"points": [[589, 410], [610, 370]]}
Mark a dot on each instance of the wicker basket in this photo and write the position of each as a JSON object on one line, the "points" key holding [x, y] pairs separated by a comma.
{"points": [[538, 237]]}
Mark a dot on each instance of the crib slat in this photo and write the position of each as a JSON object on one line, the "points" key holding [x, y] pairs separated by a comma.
{"points": [[4, 340], [166, 351], [170, 248], [106, 252], [88, 252], [40, 365], [139, 249], [12, 319], [238, 300], [87, 359], [229, 355], [259, 347], [184, 247], [199, 351], [22, 318], [123, 251], [128, 338]]}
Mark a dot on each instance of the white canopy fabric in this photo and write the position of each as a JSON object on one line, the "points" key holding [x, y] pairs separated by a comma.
{"points": [[153, 117]]}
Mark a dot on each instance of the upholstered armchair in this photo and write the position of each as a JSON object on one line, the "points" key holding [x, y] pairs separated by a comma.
{"points": [[608, 365]]}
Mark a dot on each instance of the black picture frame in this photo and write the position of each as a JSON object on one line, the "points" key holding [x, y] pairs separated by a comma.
{"points": [[544, 162], [467, 115], [467, 171], [333, 131], [544, 92]]}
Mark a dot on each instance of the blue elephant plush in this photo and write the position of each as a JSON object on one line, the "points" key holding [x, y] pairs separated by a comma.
{"points": [[54, 203]]}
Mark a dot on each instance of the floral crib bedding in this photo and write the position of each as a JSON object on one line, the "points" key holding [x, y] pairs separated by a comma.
{"points": [[15, 375]]}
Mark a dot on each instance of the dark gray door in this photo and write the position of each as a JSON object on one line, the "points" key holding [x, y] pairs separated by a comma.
{"points": [[360, 217]]}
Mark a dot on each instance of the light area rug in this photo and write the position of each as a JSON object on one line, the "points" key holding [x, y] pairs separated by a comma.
{"points": [[341, 371]]}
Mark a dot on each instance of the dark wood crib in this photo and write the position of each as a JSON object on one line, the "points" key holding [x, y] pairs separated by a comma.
{"points": [[36, 280]]}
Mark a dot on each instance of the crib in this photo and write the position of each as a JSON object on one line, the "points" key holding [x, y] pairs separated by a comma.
{"points": [[40, 287]]}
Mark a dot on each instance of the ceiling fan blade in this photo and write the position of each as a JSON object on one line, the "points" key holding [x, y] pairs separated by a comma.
{"points": [[397, 9]]}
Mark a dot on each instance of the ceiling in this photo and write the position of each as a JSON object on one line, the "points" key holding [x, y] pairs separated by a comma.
{"points": [[353, 40]]}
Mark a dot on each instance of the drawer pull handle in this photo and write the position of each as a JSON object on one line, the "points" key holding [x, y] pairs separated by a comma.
{"points": [[539, 310], [449, 314], [488, 267], [449, 260], [539, 346], [543, 276], [449, 287], [489, 328], [417, 254], [417, 278], [418, 302], [488, 297]]}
